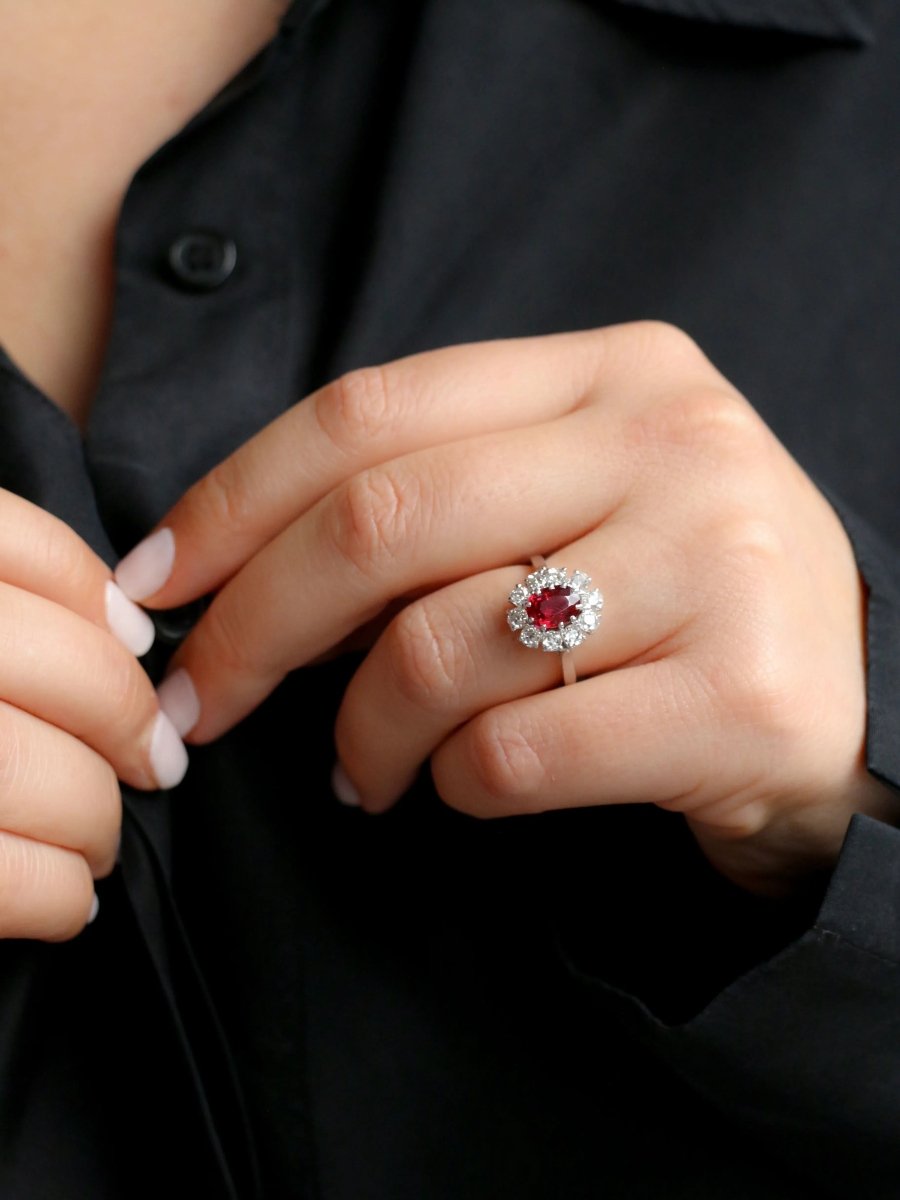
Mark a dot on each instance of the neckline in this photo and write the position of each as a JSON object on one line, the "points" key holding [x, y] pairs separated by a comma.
{"points": [[244, 79]]}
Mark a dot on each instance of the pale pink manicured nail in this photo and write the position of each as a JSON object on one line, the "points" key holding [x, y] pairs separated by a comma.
{"points": [[95, 908], [130, 624], [178, 700], [168, 756], [343, 788], [146, 568]]}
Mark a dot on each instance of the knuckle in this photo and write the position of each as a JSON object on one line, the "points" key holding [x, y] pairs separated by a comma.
{"points": [[663, 339], [31, 874], [356, 408], [17, 759], [16, 631], [373, 516], [18, 861], [506, 764], [429, 657], [752, 548], [225, 497], [121, 725], [70, 915], [16, 871], [127, 690], [706, 420], [87, 783], [739, 822], [228, 640], [106, 820], [57, 552], [74, 884], [761, 694]]}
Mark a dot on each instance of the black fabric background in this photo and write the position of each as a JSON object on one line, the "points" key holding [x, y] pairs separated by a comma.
{"points": [[424, 1006]]}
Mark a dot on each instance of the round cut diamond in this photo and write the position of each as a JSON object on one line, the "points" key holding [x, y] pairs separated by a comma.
{"points": [[552, 641], [517, 618], [530, 637]]}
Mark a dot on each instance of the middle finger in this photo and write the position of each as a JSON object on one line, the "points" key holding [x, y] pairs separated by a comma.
{"points": [[450, 655], [68, 672], [419, 521]]}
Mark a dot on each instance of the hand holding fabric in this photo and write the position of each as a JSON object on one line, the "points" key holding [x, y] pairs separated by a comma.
{"points": [[77, 714], [726, 681]]}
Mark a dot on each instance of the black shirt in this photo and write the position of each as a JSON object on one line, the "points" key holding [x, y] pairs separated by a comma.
{"points": [[286, 998]]}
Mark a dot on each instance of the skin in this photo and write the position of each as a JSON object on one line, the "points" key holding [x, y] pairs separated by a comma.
{"points": [[726, 680], [88, 91], [76, 716], [733, 630]]}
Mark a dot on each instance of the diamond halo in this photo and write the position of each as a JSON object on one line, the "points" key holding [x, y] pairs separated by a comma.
{"points": [[553, 610]]}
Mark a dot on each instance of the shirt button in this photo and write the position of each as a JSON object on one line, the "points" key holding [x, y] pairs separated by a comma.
{"points": [[201, 259], [174, 624]]}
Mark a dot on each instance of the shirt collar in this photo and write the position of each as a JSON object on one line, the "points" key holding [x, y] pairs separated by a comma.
{"points": [[835, 20]]}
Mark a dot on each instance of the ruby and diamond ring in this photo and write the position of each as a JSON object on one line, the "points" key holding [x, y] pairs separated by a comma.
{"points": [[553, 610]]}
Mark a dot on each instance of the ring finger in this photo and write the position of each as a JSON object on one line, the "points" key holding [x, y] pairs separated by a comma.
{"points": [[450, 655], [388, 533]]}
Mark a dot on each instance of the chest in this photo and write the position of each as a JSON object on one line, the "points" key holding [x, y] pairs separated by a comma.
{"points": [[88, 91]]}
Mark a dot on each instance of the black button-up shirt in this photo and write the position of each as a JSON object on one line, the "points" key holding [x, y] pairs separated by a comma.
{"points": [[286, 998]]}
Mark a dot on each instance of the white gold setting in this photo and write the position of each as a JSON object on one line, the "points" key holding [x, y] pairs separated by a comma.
{"points": [[585, 599]]}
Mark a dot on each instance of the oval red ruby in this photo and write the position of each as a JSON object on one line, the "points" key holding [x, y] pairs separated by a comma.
{"points": [[551, 607]]}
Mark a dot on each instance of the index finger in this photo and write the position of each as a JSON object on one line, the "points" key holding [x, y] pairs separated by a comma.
{"points": [[370, 416], [39, 553]]}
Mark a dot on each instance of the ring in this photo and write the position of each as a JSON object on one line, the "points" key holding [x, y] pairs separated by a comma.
{"points": [[555, 611]]}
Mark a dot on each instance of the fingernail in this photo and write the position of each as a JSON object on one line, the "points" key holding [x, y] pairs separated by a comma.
{"points": [[130, 624], [343, 788], [145, 569], [168, 756], [178, 700], [95, 908]]}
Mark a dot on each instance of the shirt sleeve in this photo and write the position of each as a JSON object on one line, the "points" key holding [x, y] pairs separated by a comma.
{"points": [[786, 1017]]}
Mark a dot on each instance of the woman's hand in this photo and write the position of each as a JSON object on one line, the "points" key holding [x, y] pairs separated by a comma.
{"points": [[77, 711], [726, 680]]}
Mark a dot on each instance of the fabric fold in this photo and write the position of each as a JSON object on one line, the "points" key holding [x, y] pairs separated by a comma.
{"points": [[840, 20]]}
